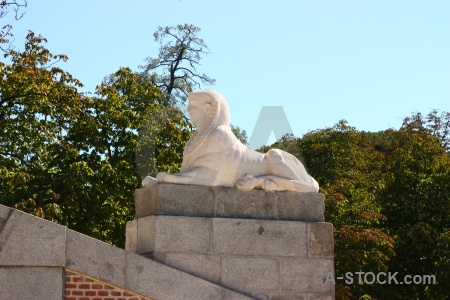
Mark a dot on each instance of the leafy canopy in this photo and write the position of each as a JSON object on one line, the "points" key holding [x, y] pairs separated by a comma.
{"points": [[388, 197], [77, 159]]}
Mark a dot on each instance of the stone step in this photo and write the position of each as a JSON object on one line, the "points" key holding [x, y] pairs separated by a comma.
{"points": [[34, 254]]}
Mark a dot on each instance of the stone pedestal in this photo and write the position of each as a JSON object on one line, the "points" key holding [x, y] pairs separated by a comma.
{"points": [[268, 245]]}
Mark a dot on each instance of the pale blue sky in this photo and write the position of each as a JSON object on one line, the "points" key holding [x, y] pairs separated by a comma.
{"points": [[369, 62]]}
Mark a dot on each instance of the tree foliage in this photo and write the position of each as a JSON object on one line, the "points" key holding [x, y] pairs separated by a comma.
{"points": [[416, 202], [72, 158], [241, 134], [175, 69], [388, 197], [38, 104], [342, 160], [436, 123]]}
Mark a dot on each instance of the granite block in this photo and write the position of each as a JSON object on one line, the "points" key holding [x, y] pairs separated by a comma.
{"points": [[26, 240], [146, 235], [321, 297], [245, 274], [95, 258], [158, 281], [30, 283], [306, 275], [183, 234], [259, 237], [186, 200], [131, 236], [158, 256], [227, 202], [200, 265], [146, 201], [308, 207], [320, 240], [231, 202]]}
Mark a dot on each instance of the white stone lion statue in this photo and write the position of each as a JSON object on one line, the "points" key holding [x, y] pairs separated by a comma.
{"points": [[215, 157]]}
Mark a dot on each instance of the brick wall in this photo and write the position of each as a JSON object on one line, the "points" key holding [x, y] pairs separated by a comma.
{"points": [[81, 287]]}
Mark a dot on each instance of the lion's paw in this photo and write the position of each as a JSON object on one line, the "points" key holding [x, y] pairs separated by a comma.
{"points": [[161, 176], [270, 186], [246, 183], [149, 181]]}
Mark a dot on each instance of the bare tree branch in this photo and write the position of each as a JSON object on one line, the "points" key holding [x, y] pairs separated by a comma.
{"points": [[5, 33], [179, 55]]}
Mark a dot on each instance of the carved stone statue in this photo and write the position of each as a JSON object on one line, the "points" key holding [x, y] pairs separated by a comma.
{"points": [[215, 157]]}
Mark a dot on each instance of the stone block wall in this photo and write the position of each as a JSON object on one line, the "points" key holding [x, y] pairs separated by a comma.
{"points": [[256, 243], [220, 244], [206, 201], [31, 282], [35, 254]]}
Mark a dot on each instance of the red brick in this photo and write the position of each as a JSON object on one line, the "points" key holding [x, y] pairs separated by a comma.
{"points": [[67, 293], [116, 293], [68, 279], [127, 294], [97, 299], [71, 298], [77, 293], [97, 286], [88, 280], [84, 298], [103, 293], [84, 286], [78, 279], [121, 298], [108, 287], [90, 293], [109, 299], [71, 286]]}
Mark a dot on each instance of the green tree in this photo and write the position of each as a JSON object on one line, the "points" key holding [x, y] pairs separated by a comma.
{"points": [[347, 167], [388, 197], [436, 123], [339, 158], [175, 69], [416, 202], [72, 158], [241, 134], [38, 104], [112, 138]]}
